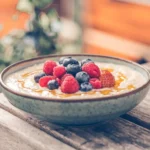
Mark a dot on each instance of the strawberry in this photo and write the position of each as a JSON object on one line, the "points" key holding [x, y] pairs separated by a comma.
{"points": [[107, 79]]}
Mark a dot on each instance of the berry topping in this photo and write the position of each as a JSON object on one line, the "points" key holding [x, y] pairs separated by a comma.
{"points": [[44, 80], [66, 75], [96, 83], [91, 69], [62, 59], [53, 84], [84, 61], [38, 76], [86, 86], [82, 77], [72, 76], [48, 67], [69, 85], [59, 71], [69, 60], [107, 79], [73, 69]]}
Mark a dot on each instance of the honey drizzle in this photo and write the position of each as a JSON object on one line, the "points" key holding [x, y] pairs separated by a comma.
{"points": [[120, 78], [31, 73], [109, 69]]}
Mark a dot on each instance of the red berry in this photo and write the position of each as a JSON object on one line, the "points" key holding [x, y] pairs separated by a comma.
{"points": [[69, 85], [44, 80], [49, 66], [64, 76], [59, 71], [96, 83], [91, 69], [107, 79]]}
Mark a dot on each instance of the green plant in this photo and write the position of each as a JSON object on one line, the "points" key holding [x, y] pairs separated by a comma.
{"points": [[39, 38]]}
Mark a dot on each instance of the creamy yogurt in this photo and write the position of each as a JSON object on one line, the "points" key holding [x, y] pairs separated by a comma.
{"points": [[126, 79]]}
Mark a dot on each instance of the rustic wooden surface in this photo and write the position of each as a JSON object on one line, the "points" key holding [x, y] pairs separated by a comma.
{"points": [[129, 132], [16, 134]]}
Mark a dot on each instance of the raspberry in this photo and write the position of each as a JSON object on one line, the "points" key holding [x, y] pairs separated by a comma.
{"points": [[69, 85], [91, 69], [64, 76], [107, 79], [59, 71], [96, 83], [49, 66], [44, 80]]}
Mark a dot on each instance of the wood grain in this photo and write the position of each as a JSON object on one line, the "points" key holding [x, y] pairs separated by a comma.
{"points": [[117, 134], [16, 134]]}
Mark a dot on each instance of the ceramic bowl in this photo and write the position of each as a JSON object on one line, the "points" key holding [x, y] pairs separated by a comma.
{"points": [[75, 111]]}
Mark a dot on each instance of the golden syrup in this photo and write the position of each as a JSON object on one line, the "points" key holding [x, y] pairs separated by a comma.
{"points": [[25, 75], [106, 92], [38, 91], [130, 87], [21, 83], [108, 69], [120, 78]]}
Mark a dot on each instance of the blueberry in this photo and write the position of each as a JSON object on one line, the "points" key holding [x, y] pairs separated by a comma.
{"points": [[68, 61], [84, 61], [86, 86], [73, 69], [62, 59], [53, 84], [38, 76], [82, 77]]}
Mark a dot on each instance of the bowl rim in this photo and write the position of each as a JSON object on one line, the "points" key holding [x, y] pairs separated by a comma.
{"points": [[92, 99]]}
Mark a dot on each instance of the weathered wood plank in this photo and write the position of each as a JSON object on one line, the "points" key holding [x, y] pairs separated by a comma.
{"points": [[117, 134], [140, 114], [16, 134]]}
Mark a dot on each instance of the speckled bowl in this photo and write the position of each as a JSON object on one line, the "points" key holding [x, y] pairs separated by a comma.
{"points": [[75, 111]]}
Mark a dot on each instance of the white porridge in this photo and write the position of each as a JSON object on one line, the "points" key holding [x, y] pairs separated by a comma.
{"points": [[126, 80]]}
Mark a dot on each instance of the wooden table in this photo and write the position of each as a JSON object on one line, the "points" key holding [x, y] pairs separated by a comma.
{"points": [[22, 131]]}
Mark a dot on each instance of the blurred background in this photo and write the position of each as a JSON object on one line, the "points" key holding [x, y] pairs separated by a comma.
{"points": [[30, 28]]}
